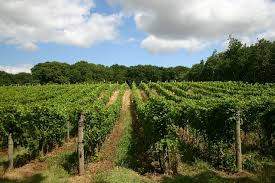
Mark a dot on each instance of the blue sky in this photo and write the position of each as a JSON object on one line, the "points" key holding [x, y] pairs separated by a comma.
{"points": [[127, 32]]}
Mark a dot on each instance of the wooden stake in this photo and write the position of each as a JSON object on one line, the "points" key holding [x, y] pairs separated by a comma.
{"points": [[238, 143], [81, 144], [10, 151], [41, 153]]}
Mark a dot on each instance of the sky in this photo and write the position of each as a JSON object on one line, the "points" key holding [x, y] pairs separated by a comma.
{"points": [[127, 32]]}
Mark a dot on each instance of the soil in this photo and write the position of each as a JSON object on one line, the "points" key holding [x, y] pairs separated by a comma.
{"points": [[67, 147], [3, 152], [143, 95], [112, 98]]}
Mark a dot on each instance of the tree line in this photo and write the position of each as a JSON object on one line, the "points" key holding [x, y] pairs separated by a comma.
{"points": [[80, 72], [239, 62]]}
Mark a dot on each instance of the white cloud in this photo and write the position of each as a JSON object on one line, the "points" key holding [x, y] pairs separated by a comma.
{"points": [[268, 34], [180, 22], [16, 69], [157, 45], [25, 23]]}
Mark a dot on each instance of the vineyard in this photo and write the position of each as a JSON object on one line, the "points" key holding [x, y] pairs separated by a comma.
{"points": [[39, 118], [229, 125]]}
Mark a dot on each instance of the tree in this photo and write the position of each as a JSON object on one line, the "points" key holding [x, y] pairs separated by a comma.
{"points": [[118, 73], [195, 73], [254, 63], [51, 72], [5, 78], [263, 58], [23, 78]]}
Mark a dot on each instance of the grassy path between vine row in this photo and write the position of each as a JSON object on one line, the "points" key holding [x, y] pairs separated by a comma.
{"points": [[107, 154], [114, 149]]}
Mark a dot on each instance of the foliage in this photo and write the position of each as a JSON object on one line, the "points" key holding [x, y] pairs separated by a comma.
{"points": [[20, 79], [254, 63], [37, 116], [84, 72], [207, 113]]}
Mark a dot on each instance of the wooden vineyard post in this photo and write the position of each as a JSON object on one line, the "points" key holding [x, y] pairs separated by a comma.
{"points": [[10, 151], [238, 142], [41, 153], [81, 144], [166, 160]]}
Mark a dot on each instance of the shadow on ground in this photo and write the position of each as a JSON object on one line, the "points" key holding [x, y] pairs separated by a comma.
{"points": [[37, 178], [208, 177]]}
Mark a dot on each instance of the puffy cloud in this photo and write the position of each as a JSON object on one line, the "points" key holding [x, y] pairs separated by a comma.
{"points": [[25, 23], [180, 22], [268, 34], [156, 45], [16, 69]]}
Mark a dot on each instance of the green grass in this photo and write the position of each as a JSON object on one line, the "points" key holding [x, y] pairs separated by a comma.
{"points": [[123, 154], [121, 175], [55, 175], [205, 177], [35, 178], [200, 171], [60, 167]]}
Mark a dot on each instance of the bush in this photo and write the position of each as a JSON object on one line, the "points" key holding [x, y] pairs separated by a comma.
{"points": [[252, 162]]}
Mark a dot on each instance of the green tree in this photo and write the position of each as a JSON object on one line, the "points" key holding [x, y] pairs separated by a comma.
{"points": [[23, 78], [5, 78], [51, 72]]}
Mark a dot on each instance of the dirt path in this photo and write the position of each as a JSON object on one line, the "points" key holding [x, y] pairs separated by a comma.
{"points": [[112, 98], [36, 166], [143, 95], [107, 153]]}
